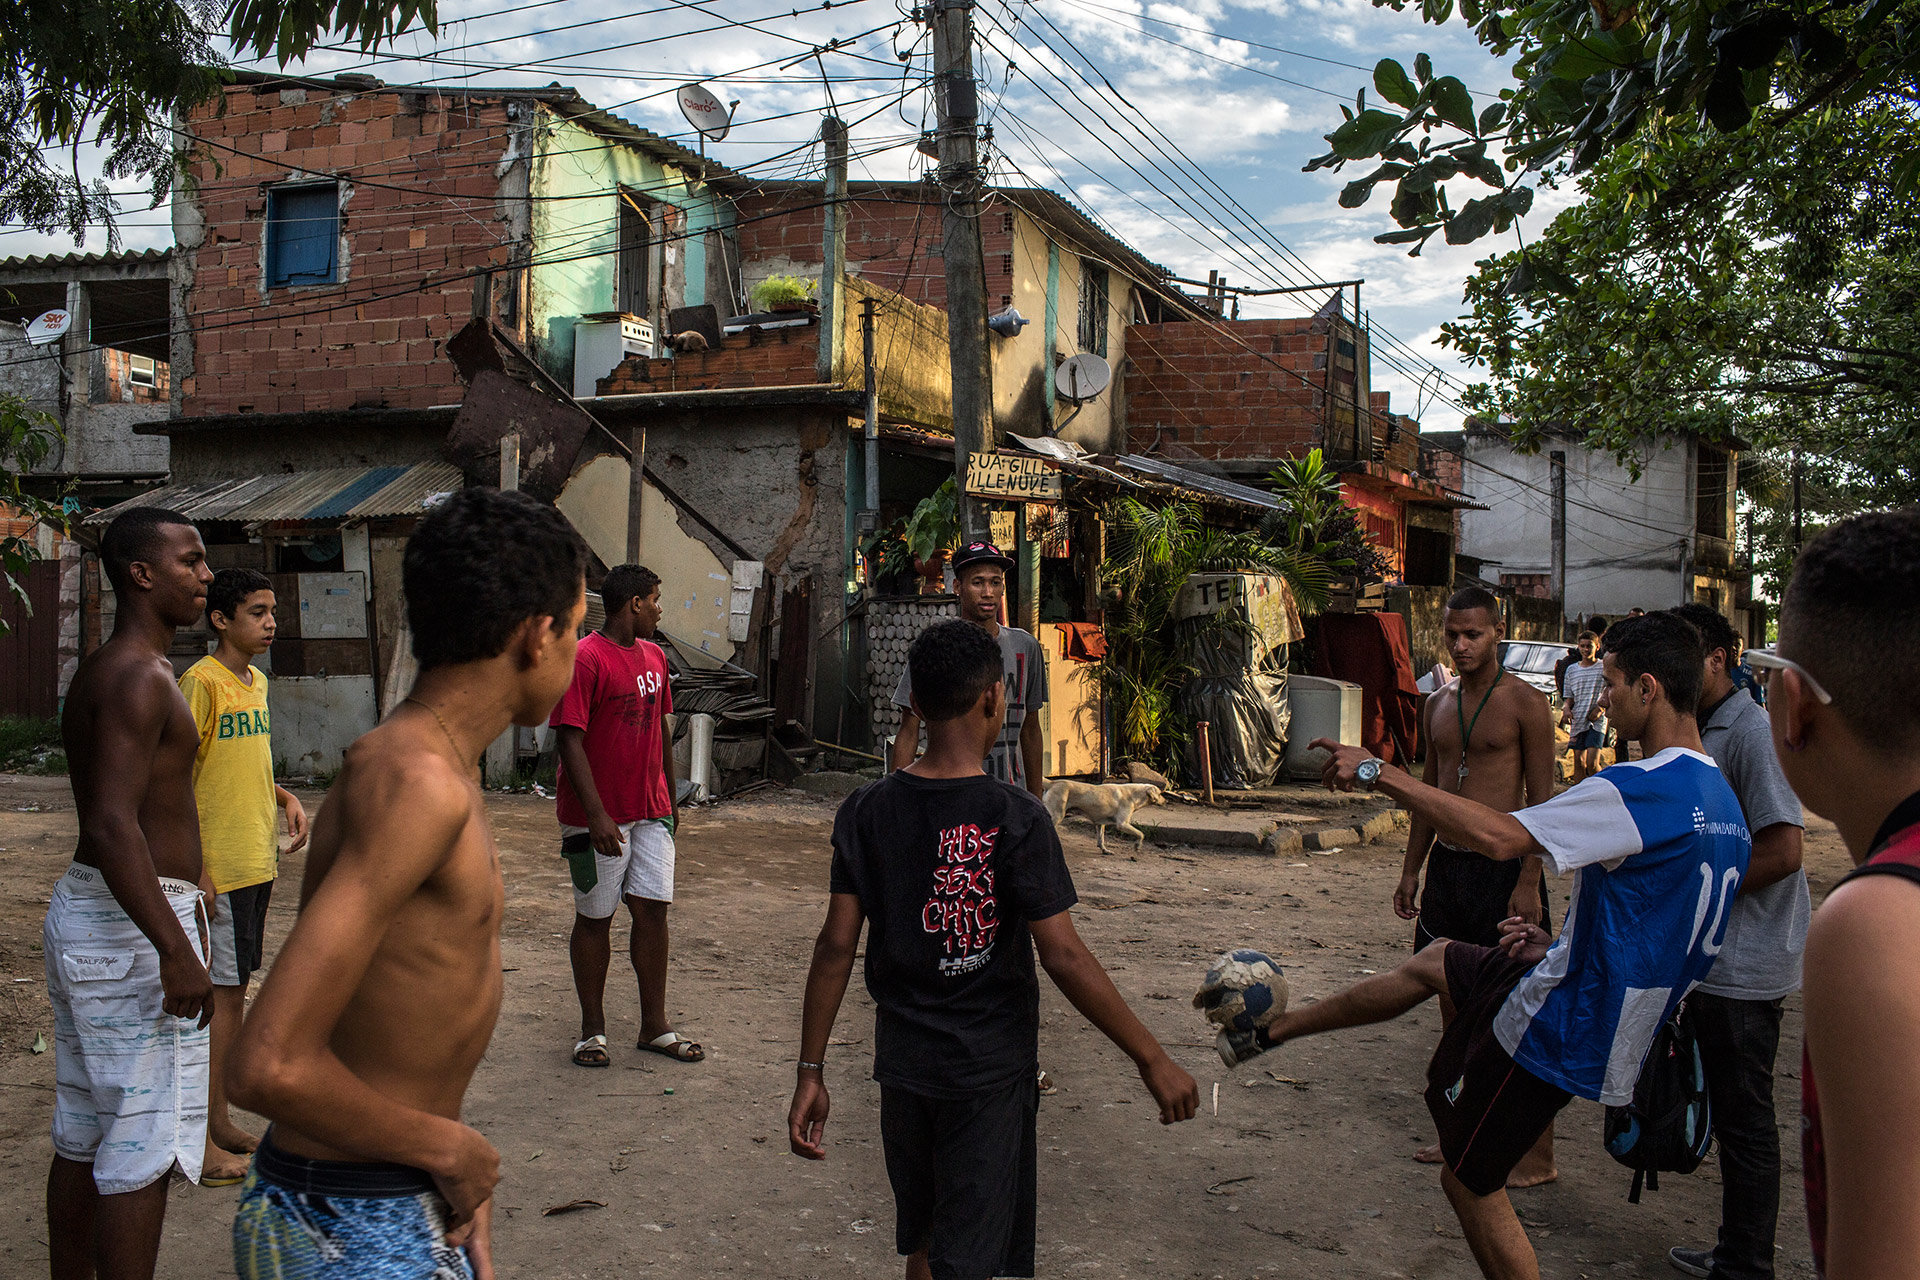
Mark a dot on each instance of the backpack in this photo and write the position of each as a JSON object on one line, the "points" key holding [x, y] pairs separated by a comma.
{"points": [[1668, 1126]]}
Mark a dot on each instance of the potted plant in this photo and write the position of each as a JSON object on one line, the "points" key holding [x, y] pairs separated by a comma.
{"points": [[931, 532], [783, 294]]}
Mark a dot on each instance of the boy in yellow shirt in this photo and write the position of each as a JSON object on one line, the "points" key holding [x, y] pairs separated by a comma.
{"points": [[234, 789]]}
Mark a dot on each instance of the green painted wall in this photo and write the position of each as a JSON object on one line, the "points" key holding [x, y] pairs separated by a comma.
{"points": [[574, 181]]}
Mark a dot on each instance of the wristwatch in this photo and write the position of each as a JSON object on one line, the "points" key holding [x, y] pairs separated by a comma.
{"points": [[1369, 771]]}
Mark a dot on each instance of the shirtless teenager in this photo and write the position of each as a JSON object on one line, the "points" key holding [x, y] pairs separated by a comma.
{"points": [[1507, 727], [367, 1031], [126, 929]]}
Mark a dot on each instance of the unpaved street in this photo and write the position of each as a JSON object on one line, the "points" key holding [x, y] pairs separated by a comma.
{"points": [[1304, 1171]]}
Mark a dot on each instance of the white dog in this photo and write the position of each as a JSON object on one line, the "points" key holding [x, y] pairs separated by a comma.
{"points": [[1106, 804]]}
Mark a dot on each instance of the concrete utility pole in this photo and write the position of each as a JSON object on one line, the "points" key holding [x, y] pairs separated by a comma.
{"points": [[870, 517], [636, 487], [961, 186], [833, 262], [1557, 582]]}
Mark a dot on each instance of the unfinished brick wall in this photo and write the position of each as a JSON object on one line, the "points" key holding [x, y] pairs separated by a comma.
{"points": [[762, 358], [1223, 396], [893, 240], [374, 337]]}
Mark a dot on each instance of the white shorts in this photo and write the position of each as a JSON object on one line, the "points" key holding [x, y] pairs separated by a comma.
{"points": [[130, 1079], [644, 869]]}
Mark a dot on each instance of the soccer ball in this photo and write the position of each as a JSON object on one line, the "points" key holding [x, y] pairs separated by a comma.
{"points": [[1243, 990]]}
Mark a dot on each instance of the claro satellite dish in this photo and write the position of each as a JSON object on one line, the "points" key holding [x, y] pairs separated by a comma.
{"points": [[705, 112], [1080, 378], [48, 326]]}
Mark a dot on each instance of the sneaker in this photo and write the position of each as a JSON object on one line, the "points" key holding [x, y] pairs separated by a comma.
{"points": [[1691, 1262], [1237, 1046]]}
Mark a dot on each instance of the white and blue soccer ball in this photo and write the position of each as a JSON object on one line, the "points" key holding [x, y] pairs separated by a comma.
{"points": [[1243, 990]]}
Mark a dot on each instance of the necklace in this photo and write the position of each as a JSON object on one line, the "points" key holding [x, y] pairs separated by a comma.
{"points": [[443, 724], [1466, 729]]}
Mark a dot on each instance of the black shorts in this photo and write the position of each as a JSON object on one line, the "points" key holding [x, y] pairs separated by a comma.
{"points": [[1489, 1109], [963, 1178], [238, 924], [1466, 897]]}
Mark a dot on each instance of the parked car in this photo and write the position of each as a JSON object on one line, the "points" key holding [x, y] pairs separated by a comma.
{"points": [[1533, 661]]}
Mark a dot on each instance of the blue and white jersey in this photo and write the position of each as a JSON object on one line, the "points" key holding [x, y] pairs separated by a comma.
{"points": [[1659, 847]]}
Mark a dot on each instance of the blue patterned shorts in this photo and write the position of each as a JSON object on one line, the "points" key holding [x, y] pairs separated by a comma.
{"points": [[303, 1219]]}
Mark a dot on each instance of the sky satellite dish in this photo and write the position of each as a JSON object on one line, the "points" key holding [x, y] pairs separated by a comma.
{"points": [[48, 326], [1082, 377], [705, 112]]}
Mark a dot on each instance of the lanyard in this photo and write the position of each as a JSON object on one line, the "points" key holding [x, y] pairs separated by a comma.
{"points": [[1466, 729]]}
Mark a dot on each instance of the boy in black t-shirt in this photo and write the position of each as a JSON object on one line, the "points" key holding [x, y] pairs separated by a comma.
{"points": [[961, 877]]}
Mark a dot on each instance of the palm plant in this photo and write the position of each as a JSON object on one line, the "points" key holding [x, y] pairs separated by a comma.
{"points": [[1318, 525], [1151, 552]]}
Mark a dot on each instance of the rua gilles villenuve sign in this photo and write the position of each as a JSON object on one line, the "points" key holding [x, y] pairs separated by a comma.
{"points": [[1013, 477]]}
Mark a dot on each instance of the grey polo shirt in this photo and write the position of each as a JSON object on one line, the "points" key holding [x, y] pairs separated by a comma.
{"points": [[1760, 959]]}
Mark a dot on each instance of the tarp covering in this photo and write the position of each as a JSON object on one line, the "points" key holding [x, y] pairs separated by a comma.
{"points": [[1238, 627], [1372, 651]]}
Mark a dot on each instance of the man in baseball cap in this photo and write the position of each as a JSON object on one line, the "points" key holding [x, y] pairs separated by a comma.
{"points": [[980, 578]]}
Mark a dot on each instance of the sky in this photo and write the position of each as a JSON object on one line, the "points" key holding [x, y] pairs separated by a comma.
{"points": [[1182, 127]]}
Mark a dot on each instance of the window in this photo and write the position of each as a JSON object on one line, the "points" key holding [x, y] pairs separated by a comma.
{"points": [[1093, 307], [141, 372], [303, 234], [1710, 492], [635, 260]]}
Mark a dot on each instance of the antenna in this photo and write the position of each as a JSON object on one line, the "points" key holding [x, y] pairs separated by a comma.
{"points": [[709, 116], [1080, 378]]}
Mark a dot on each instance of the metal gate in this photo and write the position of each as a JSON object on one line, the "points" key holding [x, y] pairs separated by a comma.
{"points": [[30, 649]]}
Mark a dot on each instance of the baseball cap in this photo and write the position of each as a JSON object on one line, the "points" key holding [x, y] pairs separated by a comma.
{"points": [[977, 552]]}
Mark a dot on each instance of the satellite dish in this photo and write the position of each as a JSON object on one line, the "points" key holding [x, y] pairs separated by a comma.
{"points": [[48, 326], [705, 112], [1080, 378]]}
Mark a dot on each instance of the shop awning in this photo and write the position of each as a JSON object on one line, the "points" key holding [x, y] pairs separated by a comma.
{"points": [[327, 495]]}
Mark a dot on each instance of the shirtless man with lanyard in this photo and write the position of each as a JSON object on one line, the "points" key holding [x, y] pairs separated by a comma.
{"points": [[1507, 764]]}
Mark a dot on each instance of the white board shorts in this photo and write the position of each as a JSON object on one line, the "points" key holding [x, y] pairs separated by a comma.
{"points": [[130, 1079], [644, 869]]}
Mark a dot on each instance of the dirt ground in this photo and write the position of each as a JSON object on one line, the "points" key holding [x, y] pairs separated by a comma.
{"points": [[1304, 1171]]}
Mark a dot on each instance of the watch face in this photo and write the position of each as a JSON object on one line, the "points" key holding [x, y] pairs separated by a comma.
{"points": [[1369, 770]]}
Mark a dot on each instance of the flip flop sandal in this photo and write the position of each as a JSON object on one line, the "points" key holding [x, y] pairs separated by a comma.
{"points": [[584, 1051], [676, 1046], [233, 1180]]}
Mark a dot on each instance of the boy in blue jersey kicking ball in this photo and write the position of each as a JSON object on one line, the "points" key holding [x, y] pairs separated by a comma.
{"points": [[1658, 846]]}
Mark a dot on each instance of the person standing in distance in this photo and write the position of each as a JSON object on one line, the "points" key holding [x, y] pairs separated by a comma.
{"points": [[1580, 708], [1490, 740], [980, 578], [240, 807], [1735, 1012], [126, 933], [618, 812], [1843, 696]]}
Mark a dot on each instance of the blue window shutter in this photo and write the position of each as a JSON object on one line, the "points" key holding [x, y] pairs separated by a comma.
{"points": [[303, 235]]}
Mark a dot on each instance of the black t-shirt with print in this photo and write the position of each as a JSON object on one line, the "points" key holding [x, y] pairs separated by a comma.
{"points": [[949, 872]]}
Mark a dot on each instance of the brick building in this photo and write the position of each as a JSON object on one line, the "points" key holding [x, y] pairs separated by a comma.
{"points": [[1243, 394]]}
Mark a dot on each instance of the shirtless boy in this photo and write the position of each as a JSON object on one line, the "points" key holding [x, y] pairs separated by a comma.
{"points": [[1506, 763], [366, 1032], [126, 928]]}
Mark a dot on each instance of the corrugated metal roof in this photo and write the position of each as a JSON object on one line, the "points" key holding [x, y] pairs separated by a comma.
{"points": [[48, 261], [1216, 485], [407, 495], [334, 493]]}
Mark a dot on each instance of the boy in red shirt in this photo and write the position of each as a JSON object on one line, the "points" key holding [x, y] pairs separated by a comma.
{"points": [[617, 811]]}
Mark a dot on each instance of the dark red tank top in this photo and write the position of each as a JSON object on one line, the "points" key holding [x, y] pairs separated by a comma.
{"points": [[1900, 857]]}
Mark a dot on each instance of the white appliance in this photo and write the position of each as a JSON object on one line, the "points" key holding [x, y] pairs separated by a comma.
{"points": [[1322, 708], [601, 342]]}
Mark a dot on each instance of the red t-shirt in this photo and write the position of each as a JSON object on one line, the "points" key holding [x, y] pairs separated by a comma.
{"points": [[617, 696], [1903, 849]]}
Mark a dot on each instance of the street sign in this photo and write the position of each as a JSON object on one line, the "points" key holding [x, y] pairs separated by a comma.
{"points": [[1013, 477]]}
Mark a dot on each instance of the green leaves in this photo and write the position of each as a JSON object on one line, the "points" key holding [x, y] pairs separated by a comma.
{"points": [[1452, 103], [1390, 82]]}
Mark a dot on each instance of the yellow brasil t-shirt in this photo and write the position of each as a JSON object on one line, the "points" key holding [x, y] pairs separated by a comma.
{"points": [[233, 775]]}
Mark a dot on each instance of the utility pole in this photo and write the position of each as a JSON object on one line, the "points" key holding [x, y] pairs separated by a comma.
{"points": [[636, 488], [870, 518], [833, 132], [1557, 581], [1795, 465], [960, 182]]}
